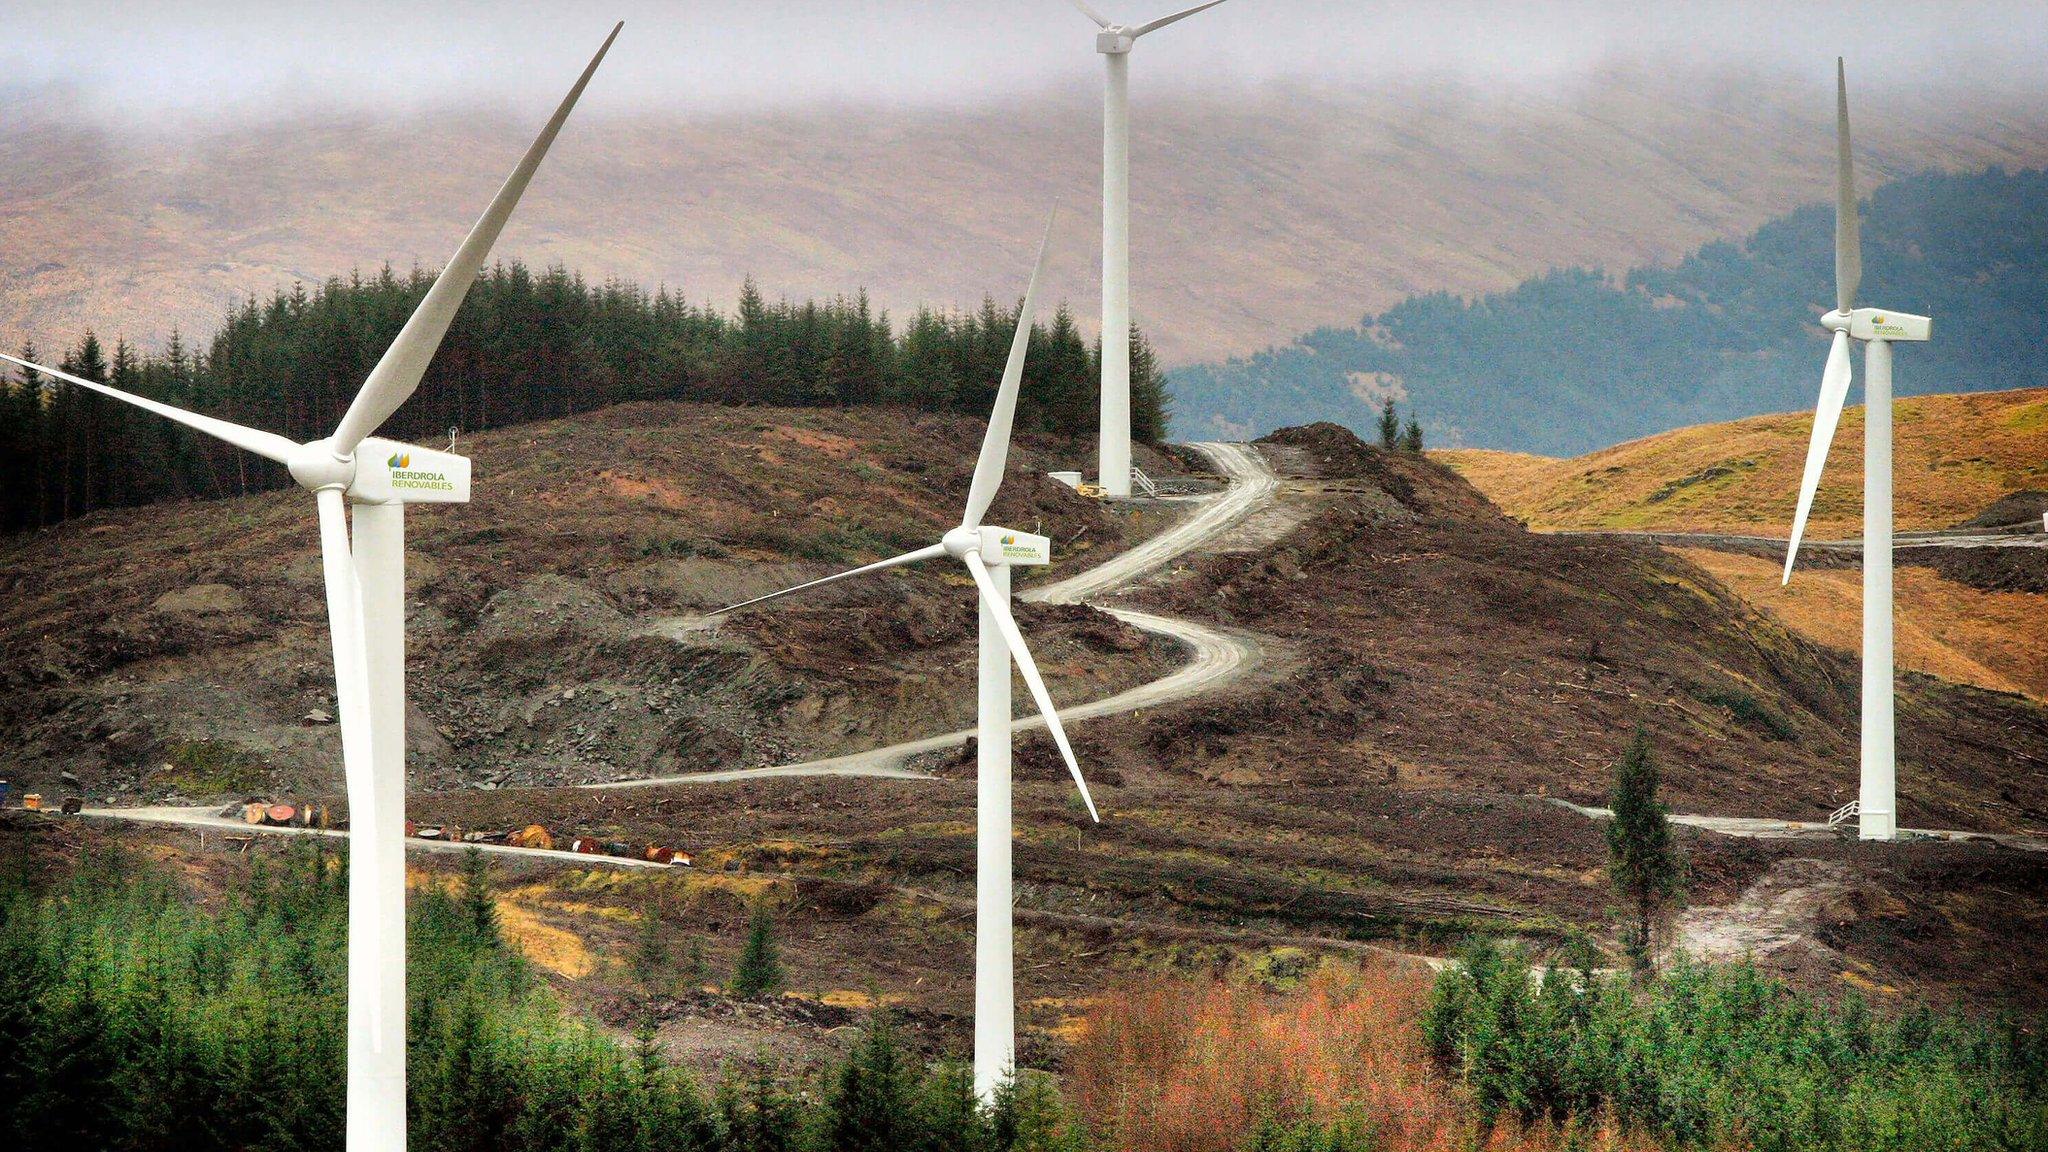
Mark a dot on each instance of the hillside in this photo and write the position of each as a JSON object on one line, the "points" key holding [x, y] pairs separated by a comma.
{"points": [[556, 630], [1258, 211], [1579, 357], [1425, 671], [1969, 616], [1953, 457]]}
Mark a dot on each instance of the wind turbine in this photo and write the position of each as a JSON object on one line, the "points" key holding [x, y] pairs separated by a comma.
{"points": [[1114, 41], [365, 579], [1877, 797], [989, 553]]}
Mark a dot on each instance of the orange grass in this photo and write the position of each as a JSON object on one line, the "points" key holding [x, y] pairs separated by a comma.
{"points": [[1172, 1065]]}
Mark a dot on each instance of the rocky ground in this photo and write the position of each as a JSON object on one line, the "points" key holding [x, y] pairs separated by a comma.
{"points": [[557, 630], [1430, 672]]}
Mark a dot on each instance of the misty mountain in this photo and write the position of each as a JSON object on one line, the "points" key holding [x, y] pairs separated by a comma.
{"points": [[1258, 211], [1577, 358]]}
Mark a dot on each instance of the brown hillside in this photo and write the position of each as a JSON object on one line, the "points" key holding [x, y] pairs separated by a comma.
{"points": [[1952, 457], [1257, 212], [1425, 664], [1993, 639], [1452, 649], [556, 629]]}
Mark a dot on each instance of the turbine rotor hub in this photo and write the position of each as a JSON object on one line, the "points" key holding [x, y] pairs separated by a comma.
{"points": [[1836, 321], [315, 467], [960, 541], [1114, 40]]}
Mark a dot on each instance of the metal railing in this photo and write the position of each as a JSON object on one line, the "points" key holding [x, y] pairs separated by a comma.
{"points": [[1142, 482], [1852, 809]]}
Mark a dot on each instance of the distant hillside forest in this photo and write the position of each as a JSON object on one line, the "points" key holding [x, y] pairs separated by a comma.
{"points": [[524, 347], [1577, 359]]}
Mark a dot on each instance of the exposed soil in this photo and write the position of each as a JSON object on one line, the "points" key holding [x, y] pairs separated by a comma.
{"points": [[1454, 649], [1432, 668], [556, 626]]}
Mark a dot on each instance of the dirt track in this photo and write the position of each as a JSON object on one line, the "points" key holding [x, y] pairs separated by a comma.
{"points": [[1217, 655]]}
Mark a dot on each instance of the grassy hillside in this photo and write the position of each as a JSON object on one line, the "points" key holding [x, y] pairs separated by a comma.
{"points": [[1952, 457], [1993, 639], [1578, 358], [1257, 212]]}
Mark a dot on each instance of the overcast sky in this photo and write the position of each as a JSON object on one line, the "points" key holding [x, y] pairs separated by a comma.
{"points": [[136, 62]]}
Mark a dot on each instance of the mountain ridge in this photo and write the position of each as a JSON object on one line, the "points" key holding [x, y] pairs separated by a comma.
{"points": [[1257, 211]]}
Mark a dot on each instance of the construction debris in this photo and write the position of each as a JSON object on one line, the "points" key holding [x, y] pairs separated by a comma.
{"points": [[531, 836]]}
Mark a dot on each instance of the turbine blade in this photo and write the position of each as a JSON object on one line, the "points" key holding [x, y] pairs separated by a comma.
{"points": [[1101, 21], [1834, 391], [398, 373], [1163, 21], [268, 445], [1848, 240], [351, 693], [999, 606], [893, 562], [995, 443]]}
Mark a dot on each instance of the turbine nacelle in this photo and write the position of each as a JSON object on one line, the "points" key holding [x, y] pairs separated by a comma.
{"points": [[1115, 40], [1879, 324], [998, 546], [383, 471]]}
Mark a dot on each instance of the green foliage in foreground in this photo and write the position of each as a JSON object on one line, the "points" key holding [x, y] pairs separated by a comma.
{"points": [[131, 1018], [1723, 1057]]}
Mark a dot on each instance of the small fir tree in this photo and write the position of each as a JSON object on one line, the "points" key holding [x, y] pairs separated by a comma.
{"points": [[1411, 436], [869, 1102], [759, 971], [479, 909], [650, 962], [1642, 856], [1390, 425]]}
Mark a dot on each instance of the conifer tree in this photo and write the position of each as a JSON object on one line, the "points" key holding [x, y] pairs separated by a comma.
{"points": [[1390, 425], [650, 962], [1643, 860], [868, 1103], [1411, 436], [479, 907], [759, 970]]}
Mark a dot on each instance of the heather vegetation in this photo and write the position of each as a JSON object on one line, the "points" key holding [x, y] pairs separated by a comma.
{"points": [[524, 347]]}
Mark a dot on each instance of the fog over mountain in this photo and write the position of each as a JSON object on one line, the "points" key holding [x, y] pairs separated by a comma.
{"points": [[1295, 163]]}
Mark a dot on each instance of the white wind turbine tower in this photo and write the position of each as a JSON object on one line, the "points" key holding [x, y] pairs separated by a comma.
{"points": [[988, 554], [365, 579], [1877, 797], [1114, 41]]}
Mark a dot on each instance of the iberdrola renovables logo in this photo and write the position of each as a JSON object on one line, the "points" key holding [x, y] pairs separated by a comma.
{"points": [[1009, 539], [402, 475]]}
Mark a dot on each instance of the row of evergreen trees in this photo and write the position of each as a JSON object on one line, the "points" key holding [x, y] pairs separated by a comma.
{"points": [[131, 1018], [1724, 1057], [524, 347]]}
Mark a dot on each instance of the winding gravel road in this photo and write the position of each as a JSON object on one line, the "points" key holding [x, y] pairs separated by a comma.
{"points": [[1217, 657]]}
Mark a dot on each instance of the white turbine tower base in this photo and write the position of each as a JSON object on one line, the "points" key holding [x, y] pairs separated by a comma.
{"points": [[363, 566], [1877, 792], [988, 553], [1114, 42]]}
